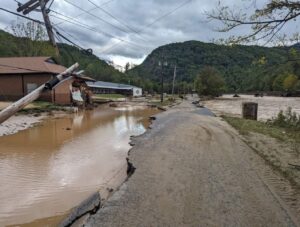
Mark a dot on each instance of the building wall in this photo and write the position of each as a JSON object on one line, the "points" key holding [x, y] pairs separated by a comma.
{"points": [[14, 87], [62, 93], [11, 87], [137, 92], [38, 80]]}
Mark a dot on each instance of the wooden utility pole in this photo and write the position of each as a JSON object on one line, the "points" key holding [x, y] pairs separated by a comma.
{"points": [[161, 82], [174, 77], [35, 94], [47, 23], [32, 5]]}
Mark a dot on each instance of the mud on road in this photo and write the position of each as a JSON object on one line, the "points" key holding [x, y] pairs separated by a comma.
{"points": [[194, 170]]}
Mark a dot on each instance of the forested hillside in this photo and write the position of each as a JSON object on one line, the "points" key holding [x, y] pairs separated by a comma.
{"points": [[11, 46], [244, 68]]}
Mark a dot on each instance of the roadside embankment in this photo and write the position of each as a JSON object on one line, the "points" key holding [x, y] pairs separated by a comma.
{"points": [[277, 146]]}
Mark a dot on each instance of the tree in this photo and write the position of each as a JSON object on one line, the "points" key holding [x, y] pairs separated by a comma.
{"points": [[265, 22], [209, 82], [127, 67], [33, 37], [289, 82], [278, 82]]}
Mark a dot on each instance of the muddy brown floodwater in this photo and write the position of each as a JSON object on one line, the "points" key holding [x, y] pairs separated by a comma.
{"points": [[47, 170]]}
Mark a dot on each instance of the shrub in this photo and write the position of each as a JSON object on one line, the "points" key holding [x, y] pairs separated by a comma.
{"points": [[287, 119]]}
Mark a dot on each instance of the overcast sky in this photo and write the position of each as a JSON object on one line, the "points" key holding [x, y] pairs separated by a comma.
{"points": [[137, 30]]}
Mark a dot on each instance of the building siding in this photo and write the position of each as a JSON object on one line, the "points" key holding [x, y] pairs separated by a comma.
{"points": [[11, 88], [14, 87]]}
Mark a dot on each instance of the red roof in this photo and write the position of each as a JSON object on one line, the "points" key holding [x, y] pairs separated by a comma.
{"points": [[16, 65]]}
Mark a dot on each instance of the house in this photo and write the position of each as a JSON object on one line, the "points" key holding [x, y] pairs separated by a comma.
{"points": [[100, 87], [21, 75]]}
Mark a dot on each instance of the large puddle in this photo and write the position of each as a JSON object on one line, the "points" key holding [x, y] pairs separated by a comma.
{"points": [[48, 169]]}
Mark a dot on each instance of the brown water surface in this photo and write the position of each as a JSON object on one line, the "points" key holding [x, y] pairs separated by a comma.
{"points": [[48, 169]]}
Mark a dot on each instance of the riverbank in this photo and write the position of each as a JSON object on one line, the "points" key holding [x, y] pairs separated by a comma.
{"points": [[195, 170]]}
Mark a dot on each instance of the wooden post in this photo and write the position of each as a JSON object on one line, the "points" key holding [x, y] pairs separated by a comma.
{"points": [[249, 110], [174, 77], [35, 94], [48, 25]]}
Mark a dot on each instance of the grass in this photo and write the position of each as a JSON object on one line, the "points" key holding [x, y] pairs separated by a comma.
{"points": [[41, 106], [245, 126], [109, 96]]}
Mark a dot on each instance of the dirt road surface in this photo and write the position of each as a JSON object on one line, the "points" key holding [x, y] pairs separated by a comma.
{"points": [[192, 170]]}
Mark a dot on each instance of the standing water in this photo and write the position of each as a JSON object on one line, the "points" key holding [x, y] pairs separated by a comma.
{"points": [[48, 169]]}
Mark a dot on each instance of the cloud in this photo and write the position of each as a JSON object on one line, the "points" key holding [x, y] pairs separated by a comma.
{"points": [[187, 23]]}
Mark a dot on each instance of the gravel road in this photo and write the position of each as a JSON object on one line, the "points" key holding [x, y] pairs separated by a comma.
{"points": [[191, 170]]}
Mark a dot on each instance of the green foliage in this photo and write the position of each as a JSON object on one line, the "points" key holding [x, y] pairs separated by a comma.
{"points": [[209, 82], [244, 68], [289, 82], [278, 82], [287, 119], [29, 40]]}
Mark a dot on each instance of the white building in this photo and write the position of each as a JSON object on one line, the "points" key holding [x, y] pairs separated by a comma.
{"points": [[101, 87]]}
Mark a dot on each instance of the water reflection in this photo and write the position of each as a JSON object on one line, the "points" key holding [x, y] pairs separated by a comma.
{"points": [[46, 170]]}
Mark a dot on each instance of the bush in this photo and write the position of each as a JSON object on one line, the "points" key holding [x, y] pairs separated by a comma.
{"points": [[287, 119]]}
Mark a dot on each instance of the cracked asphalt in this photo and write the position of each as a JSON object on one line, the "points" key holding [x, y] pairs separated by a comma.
{"points": [[192, 170]]}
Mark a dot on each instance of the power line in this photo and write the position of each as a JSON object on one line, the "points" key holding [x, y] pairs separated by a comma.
{"points": [[36, 21], [79, 41], [95, 16], [167, 14], [112, 16], [50, 4], [153, 22], [65, 49], [20, 15], [105, 3], [75, 22]]}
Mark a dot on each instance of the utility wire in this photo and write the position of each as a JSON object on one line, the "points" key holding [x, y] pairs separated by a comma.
{"points": [[78, 15], [75, 22], [153, 22], [50, 4], [114, 17], [34, 20], [95, 16], [20, 15], [70, 35], [167, 14], [64, 49]]}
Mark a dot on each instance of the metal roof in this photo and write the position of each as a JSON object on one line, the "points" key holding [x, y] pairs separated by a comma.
{"points": [[102, 84], [18, 65]]}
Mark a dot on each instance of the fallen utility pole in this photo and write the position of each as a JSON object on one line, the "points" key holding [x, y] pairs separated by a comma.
{"points": [[35, 94]]}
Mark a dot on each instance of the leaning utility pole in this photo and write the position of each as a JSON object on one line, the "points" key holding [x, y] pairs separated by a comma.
{"points": [[47, 23], [32, 5]]}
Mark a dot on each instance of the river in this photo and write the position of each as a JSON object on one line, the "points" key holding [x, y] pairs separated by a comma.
{"points": [[48, 169]]}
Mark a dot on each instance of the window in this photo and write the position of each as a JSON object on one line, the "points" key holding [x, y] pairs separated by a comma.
{"points": [[31, 87]]}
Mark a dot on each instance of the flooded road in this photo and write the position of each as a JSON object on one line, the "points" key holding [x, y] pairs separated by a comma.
{"points": [[48, 169]]}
